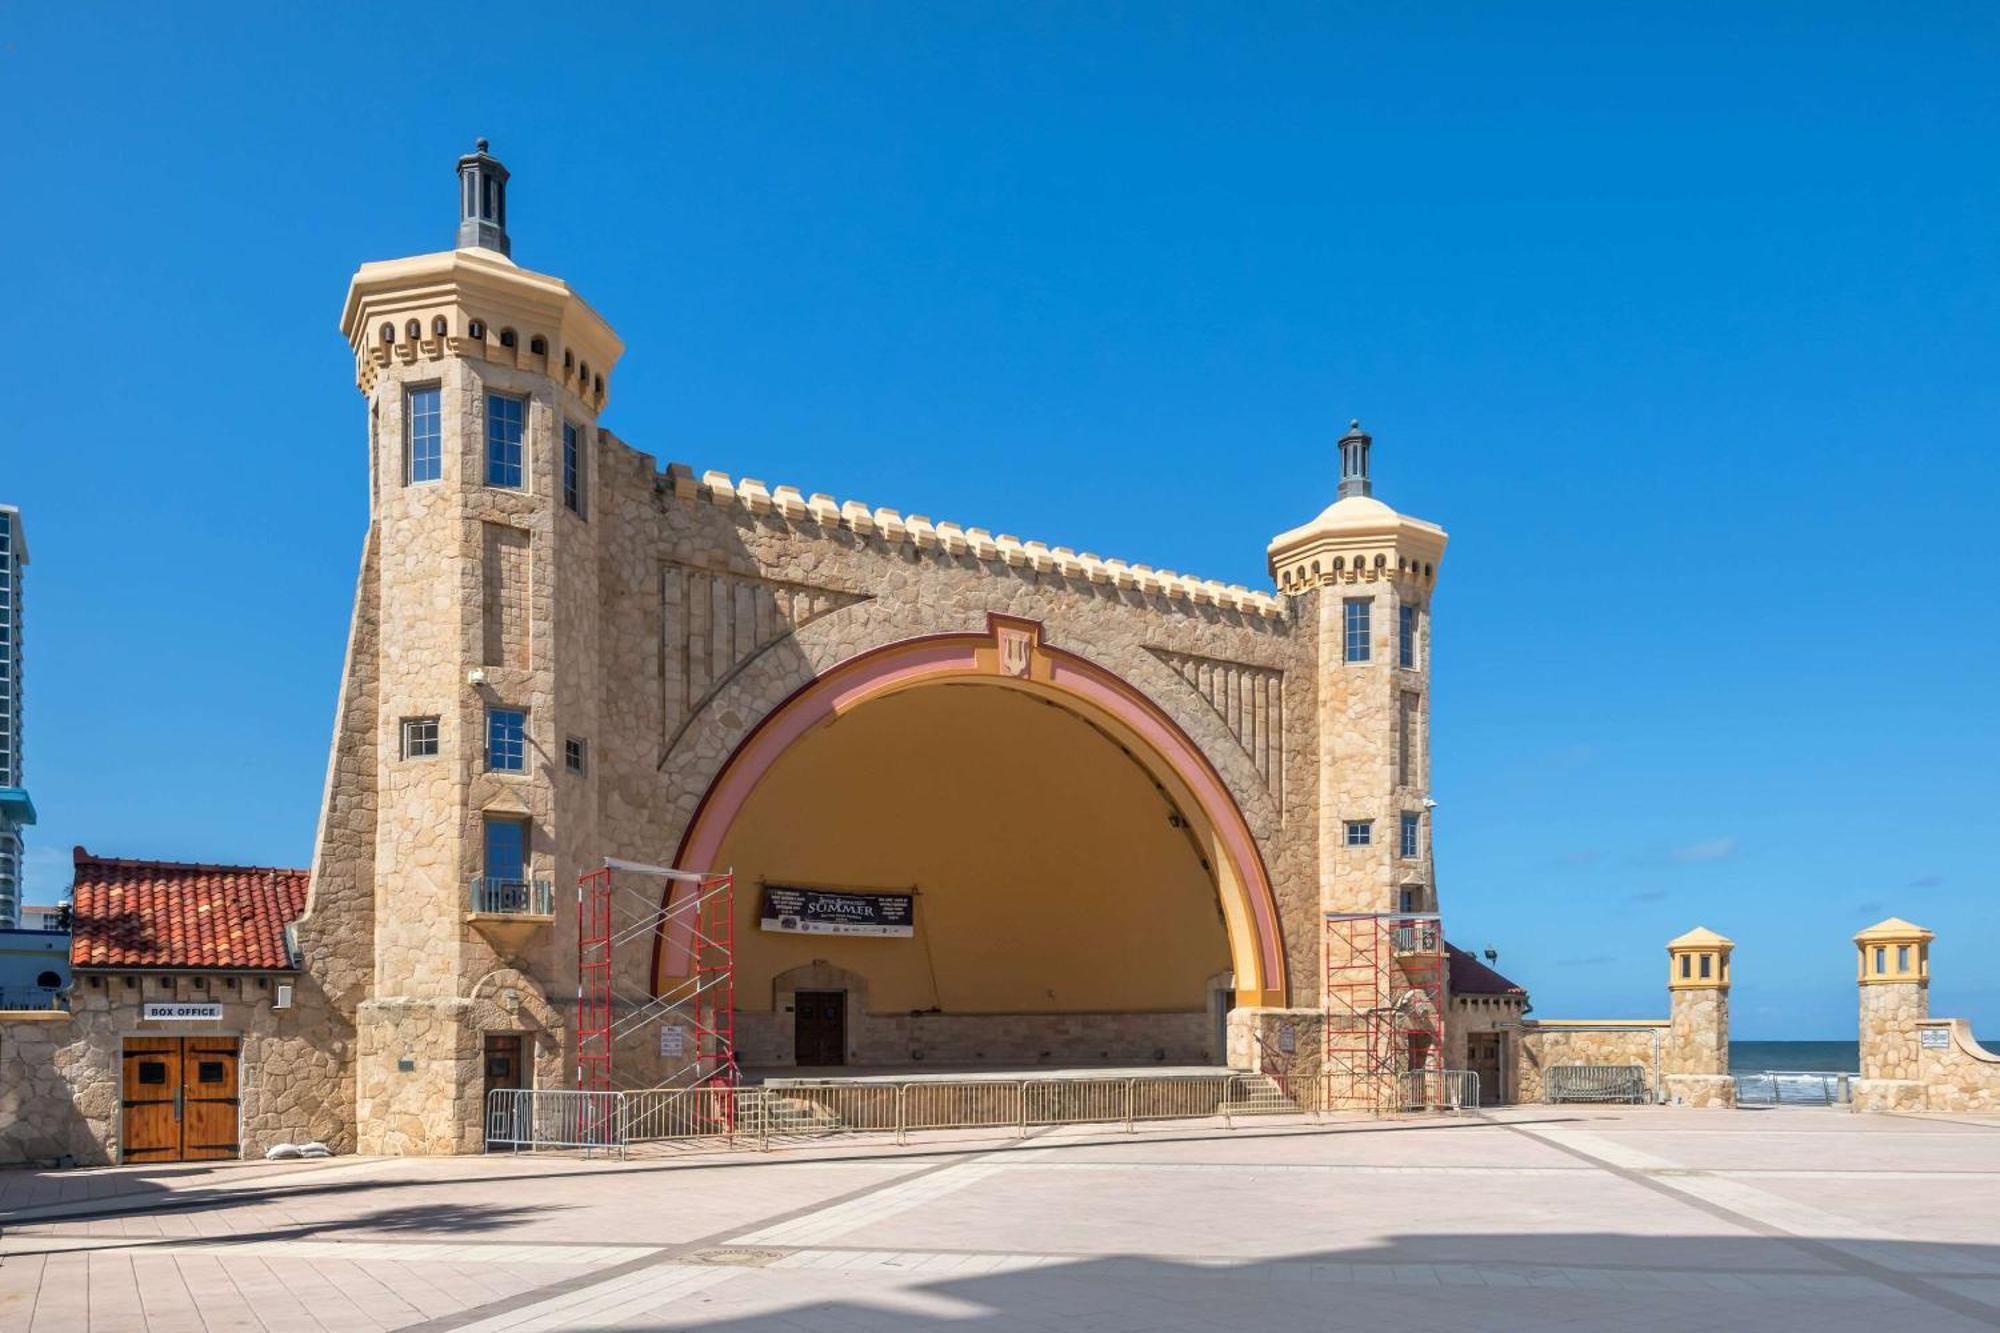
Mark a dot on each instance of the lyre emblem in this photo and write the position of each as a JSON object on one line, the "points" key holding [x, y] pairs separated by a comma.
{"points": [[1016, 650]]}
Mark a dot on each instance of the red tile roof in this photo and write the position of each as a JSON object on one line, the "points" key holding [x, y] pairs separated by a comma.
{"points": [[1469, 976], [169, 914]]}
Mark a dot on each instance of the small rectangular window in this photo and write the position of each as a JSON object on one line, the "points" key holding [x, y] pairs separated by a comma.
{"points": [[573, 462], [506, 740], [574, 756], [1706, 963], [1406, 636], [424, 413], [1881, 958], [1408, 899], [152, 1072], [506, 420], [420, 737], [1356, 613], [1360, 832], [1412, 835], [208, 1071], [1687, 967], [1902, 958]]}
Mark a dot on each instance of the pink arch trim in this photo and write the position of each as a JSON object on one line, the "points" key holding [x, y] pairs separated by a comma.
{"points": [[910, 662]]}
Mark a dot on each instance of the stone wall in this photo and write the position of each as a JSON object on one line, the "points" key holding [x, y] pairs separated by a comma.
{"points": [[1541, 1045]]}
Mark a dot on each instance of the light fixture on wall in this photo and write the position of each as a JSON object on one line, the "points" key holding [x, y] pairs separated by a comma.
{"points": [[475, 677]]}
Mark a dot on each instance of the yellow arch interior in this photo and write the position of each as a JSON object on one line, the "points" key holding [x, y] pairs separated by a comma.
{"points": [[1055, 870]]}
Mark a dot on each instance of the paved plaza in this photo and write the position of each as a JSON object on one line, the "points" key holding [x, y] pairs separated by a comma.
{"points": [[1534, 1217]]}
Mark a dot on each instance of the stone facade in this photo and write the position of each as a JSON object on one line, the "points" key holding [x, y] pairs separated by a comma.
{"points": [[647, 622], [1909, 1060], [657, 617], [1544, 1044]]}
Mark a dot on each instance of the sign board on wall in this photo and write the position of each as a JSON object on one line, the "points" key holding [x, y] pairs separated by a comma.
{"points": [[171, 1011], [831, 912], [1934, 1039], [672, 1041]]}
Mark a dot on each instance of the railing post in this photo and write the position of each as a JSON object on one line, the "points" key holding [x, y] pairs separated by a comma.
{"points": [[1131, 1107], [1021, 1107], [901, 1137]]}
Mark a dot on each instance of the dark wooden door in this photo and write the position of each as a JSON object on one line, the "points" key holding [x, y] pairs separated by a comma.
{"points": [[503, 1073], [152, 1103], [181, 1097], [209, 1098], [820, 1027], [1482, 1057]]}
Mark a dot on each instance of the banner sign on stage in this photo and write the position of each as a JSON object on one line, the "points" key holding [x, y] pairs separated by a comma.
{"points": [[831, 912]]}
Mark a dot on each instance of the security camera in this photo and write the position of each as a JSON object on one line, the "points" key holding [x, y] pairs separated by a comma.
{"points": [[475, 677], [1430, 803]]}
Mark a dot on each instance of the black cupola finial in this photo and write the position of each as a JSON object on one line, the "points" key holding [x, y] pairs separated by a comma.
{"points": [[482, 201], [1354, 461]]}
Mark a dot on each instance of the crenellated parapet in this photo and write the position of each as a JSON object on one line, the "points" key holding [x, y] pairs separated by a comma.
{"points": [[1002, 550], [477, 304]]}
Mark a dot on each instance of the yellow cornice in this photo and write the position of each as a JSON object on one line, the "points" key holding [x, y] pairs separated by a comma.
{"points": [[460, 287], [1354, 539]]}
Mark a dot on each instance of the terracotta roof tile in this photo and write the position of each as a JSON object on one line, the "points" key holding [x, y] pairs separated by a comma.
{"points": [[1469, 976], [170, 914]]}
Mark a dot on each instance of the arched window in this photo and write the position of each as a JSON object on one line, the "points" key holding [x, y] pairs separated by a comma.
{"points": [[538, 345], [507, 338], [476, 329], [569, 359], [49, 981], [597, 386], [388, 334], [439, 327], [413, 330], [584, 373]]}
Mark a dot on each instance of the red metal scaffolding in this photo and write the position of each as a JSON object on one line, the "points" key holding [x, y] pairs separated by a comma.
{"points": [[1383, 1006], [694, 920]]}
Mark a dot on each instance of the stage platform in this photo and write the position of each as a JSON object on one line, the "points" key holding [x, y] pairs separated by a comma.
{"points": [[784, 1077]]}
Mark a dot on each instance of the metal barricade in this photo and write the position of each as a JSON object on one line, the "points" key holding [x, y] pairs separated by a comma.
{"points": [[1795, 1087], [1596, 1083], [1453, 1090], [533, 1118]]}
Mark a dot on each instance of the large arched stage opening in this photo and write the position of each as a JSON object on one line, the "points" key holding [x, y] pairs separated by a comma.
{"points": [[1072, 849]]}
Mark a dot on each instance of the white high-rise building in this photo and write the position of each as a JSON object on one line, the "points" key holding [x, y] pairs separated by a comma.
{"points": [[16, 810]]}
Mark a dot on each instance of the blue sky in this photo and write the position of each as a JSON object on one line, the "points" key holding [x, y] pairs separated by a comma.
{"points": [[1683, 320]]}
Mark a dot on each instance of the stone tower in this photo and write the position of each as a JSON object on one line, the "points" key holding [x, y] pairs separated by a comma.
{"points": [[1362, 575], [1894, 971], [484, 383], [1695, 1064]]}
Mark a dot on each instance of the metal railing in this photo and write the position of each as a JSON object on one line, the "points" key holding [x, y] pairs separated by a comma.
{"points": [[1795, 1087], [1454, 1090], [1415, 937], [720, 1114], [1596, 1083], [32, 998], [494, 895]]}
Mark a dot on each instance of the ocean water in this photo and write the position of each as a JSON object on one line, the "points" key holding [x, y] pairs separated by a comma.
{"points": [[1793, 1073]]}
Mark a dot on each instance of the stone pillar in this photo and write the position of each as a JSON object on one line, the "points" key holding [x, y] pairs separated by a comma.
{"points": [[1894, 972], [1695, 1064]]}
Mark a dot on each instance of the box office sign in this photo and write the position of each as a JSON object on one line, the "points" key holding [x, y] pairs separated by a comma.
{"points": [[167, 1011], [831, 912]]}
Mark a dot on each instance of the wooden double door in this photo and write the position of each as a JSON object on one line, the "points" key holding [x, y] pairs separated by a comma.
{"points": [[181, 1096], [819, 1028]]}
